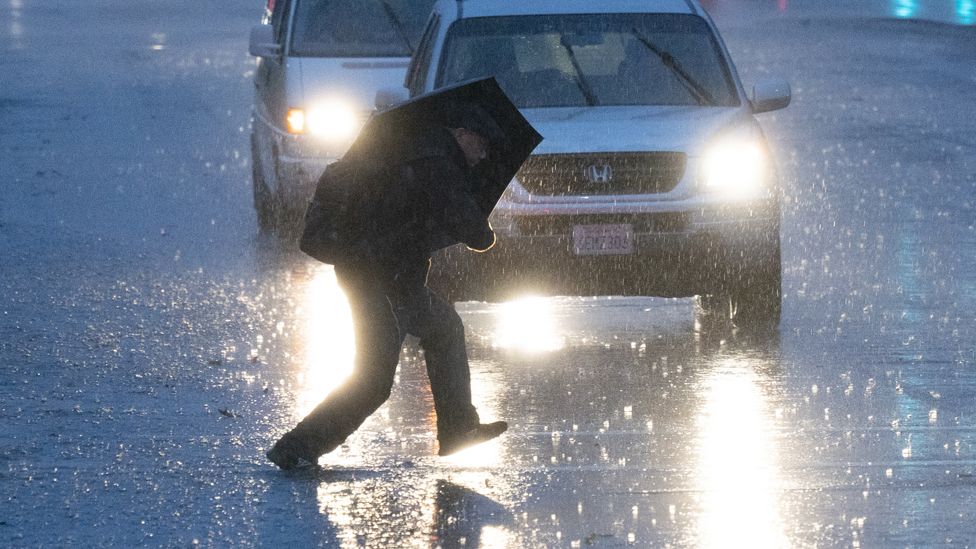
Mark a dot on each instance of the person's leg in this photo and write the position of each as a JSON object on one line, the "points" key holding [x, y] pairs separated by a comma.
{"points": [[441, 332], [378, 342]]}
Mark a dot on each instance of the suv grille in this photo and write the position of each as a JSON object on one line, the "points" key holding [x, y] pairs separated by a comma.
{"points": [[602, 173]]}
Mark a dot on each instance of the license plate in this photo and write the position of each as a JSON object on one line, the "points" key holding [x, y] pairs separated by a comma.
{"points": [[603, 239]]}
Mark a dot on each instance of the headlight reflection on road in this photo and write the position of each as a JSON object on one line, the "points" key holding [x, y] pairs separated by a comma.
{"points": [[486, 454], [495, 537], [527, 324], [328, 337], [372, 511], [737, 462]]}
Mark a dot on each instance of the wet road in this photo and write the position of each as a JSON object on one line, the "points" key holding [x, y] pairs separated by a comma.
{"points": [[152, 346]]}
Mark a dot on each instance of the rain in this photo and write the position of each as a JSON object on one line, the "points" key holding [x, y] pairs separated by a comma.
{"points": [[154, 342]]}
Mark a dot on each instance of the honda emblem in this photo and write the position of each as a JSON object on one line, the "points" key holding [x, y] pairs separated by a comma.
{"points": [[599, 173]]}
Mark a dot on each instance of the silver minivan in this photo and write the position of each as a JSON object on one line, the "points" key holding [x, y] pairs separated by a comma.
{"points": [[321, 64]]}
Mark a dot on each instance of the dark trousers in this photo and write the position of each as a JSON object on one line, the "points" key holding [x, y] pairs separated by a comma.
{"points": [[384, 311]]}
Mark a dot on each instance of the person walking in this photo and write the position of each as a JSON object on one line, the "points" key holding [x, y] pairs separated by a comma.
{"points": [[423, 199]]}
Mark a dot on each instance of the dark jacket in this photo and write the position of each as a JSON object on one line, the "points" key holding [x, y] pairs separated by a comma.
{"points": [[420, 201]]}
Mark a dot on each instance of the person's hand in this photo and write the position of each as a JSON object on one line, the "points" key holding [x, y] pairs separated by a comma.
{"points": [[485, 244]]}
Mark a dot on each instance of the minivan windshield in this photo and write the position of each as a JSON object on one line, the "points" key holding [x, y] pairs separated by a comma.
{"points": [[593, 59], [358, 28]]}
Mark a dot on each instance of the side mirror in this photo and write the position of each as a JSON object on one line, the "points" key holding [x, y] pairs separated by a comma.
{"points": [[770, 94], [262, 42], [388, 97]]}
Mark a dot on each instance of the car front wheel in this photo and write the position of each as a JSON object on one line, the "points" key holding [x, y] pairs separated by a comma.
{"points": [[757, 301], [264, 207], [752, 297]]}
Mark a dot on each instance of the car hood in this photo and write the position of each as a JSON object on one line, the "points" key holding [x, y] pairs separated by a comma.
{"points": [[633, 128], [355, 81]]}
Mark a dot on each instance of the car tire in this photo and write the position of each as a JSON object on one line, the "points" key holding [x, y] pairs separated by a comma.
{"points": [[751, 298], [757, 300], [264, 206], [290, 221]]}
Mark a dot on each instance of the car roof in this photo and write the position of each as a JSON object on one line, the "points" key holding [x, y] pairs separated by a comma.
{"points": [[488, 8]]}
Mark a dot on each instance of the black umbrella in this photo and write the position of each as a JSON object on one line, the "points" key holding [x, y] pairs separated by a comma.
{"points": [[398, 127]]}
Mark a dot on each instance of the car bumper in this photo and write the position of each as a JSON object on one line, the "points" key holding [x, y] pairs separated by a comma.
{"points": [[677, 254]]}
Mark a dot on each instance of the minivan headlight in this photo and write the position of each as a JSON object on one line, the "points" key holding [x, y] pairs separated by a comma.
{"points": [[332, 120], [737, 168]]}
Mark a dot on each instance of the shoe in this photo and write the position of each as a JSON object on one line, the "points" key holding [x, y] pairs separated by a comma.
{"points": [[289, 455], [481, 433]]}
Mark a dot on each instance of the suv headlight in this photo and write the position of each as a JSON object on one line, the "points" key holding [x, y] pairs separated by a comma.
{"points": [[330, 120], [737, 168]]}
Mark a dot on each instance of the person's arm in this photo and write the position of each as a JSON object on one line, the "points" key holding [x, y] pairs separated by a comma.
{"points": [[453, 205]]}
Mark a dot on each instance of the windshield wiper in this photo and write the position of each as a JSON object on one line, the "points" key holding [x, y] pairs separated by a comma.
{"points": [[397, 25], [580, 81], [694, 88]]}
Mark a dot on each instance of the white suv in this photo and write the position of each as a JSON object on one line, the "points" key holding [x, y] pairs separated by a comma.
{"points": [[320, 65], [654, 177]]}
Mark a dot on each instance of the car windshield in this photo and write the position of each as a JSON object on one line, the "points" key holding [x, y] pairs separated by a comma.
{"points": [[358, 28], [604, 59]]}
